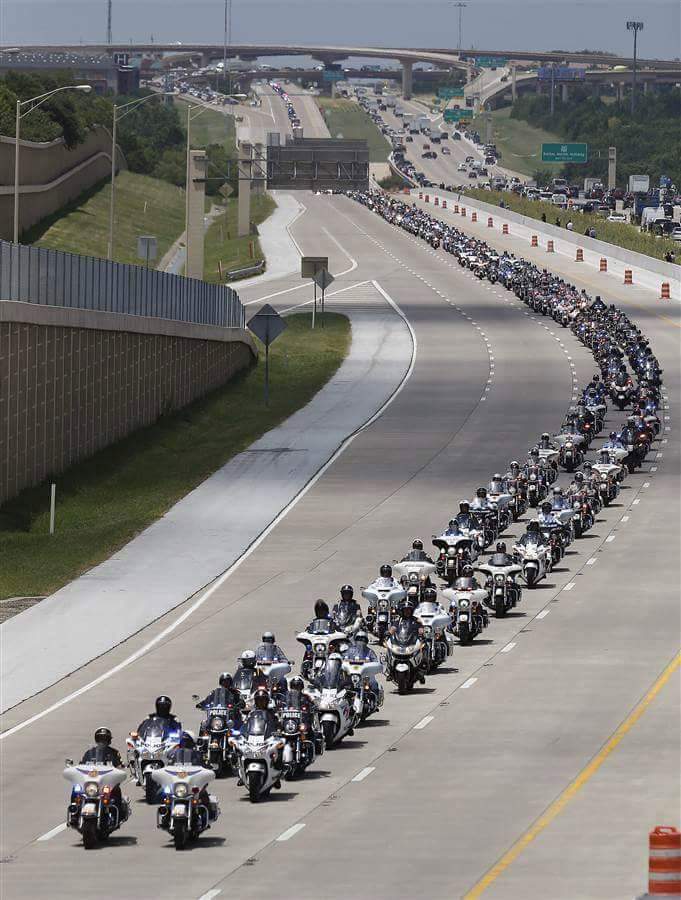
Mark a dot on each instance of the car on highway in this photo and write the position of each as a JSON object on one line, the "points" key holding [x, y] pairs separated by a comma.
{"points": [[409, 139], [456, 136], [617, 217], [461, 167], [446, 151], [472, 174], [676, 234], [470, 159], [429, 154]]}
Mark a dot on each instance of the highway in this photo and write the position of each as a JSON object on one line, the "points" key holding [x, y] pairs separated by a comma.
{"points": [[432, 792]]}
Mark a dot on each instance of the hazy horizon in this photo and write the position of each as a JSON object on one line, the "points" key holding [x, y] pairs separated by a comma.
{"points": [[487, 25]]}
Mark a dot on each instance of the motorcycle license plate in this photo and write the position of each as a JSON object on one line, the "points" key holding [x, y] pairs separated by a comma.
{"points": [[463, 617], [90, 809], [402, 667], [180, 810]]}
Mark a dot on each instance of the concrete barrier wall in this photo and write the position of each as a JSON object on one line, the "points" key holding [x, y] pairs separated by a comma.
{"points": [[74, 381], [670, 271], [51, 176]]}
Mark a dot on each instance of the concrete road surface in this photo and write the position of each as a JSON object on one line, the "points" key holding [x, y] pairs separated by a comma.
{"points": [[433, 791]]}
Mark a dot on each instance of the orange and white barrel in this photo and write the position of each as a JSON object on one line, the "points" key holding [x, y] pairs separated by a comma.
{"points": [[628, 276], [535, 241], [436, 201], [474, 217], [549, 246], [664, 866], [490, 222], [603, 265], [504, 228], [579, 256], [665, 291], [444, 204]]}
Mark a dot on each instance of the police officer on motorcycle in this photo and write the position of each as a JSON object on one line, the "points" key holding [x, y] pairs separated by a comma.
{"points": [[103, 753]]}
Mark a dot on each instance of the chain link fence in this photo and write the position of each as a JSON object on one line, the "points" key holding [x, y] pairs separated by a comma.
{"points": [[53, 278]]}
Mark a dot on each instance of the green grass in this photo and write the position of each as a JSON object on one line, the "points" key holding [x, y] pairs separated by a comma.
{"points": [[347, 118], [618, 233], [105, 501], [144, 205], [222, 244], [518, 142], [208, 127]]}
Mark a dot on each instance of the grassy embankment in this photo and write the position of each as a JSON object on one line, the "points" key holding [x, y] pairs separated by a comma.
{"points": [[106, 500], [144, 205], [209, 127], [621, 234], [518, 142], [349, 119]]}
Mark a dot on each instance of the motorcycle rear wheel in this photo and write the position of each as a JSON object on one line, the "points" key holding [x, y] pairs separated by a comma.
{"points": [[180, 835], [89, 834], [403, 683], [150, 789]]}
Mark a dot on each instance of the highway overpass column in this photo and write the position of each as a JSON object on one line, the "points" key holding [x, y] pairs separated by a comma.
{"points": [[514, 86], [407, 77], [245, 174], [260, 167], [196, 205], [620, 91], [564, 93]]}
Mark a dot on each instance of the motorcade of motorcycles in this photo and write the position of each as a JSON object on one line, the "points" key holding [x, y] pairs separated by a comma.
{"points": [[92, 810], [366, 699], [337, 714], [182, 812], [149, 749], [221, 718], [455, 551]]}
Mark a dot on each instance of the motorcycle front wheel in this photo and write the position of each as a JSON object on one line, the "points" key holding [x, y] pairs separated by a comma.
{"points": [[403, 683], [180, 835], [255, 782], [329, 731], [150, 789], [499, 608], [89, 834]]}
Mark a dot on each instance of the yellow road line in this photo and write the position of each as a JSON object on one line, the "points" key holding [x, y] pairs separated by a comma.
{"points": [[562, 801]]}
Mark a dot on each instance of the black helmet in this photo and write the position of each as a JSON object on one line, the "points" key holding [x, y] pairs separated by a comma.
{"points": [[481, 493], [362, 637], [261, 699], [613, 435], [386, 571], [103, 736], [546, 507], [225, 680], [347, 592], [268, 638], [501, 546], [321, 609], [248, 659], [417, 545], [515, 464], [163, 706], [587, 467], [467, 571], [532, 527], [408, 607], [496, 476], [579, 477], [546, 436], [596, 377], [296, 683], [534, 453], [430, 595], [464, 506], [187, 740]]}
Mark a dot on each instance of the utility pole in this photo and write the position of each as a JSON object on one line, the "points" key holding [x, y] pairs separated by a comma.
{"points": [[460, 6], [635, 27], [109, 38], [227, 41], [553, 85]]}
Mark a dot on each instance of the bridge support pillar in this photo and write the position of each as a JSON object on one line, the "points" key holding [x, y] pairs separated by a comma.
{"points": [[407, 79], [514, 86], [564, 93], [620, 91], [195, 210], [245, 174]]}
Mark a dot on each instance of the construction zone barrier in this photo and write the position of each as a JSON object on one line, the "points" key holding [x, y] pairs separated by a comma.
{"points": [[420, 195], [444, 204], [436, 201], [603, 265], [665, 291], [490, 222], [504, 229], [549, 246], [579, 256], [463, 211], [427, 198], [474, 217], [456, 207], [664, 862], [535, 241], [628, 276]]}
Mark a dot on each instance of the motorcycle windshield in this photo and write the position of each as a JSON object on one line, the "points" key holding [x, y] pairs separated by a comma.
{"points": [[357, 653], [345, 614], [221, 698], [243, 680], [266, 653], [320, 626], [257, 723], [405, 634], [331, 674], [152, 729]]}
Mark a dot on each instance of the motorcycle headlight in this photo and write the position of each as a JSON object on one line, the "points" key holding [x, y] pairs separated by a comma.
{"points": [[181, 790], [451, 551], [569, 445], [290, 726], [91, 789], [463, 604], [499, 579], [217, 723], [320, 648], [533, 477]]}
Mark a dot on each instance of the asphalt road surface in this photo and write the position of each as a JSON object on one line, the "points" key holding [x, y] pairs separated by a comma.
{"points": [[435, 789]]}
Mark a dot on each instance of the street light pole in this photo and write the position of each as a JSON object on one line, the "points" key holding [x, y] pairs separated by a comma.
{"points": [[32, 103], [553, 86], [635, 27]]}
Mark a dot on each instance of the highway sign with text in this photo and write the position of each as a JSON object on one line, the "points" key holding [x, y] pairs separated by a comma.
{"points": [[564, 153]]}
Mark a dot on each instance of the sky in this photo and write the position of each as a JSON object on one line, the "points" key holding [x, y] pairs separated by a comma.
{"points": [[487, 24]]}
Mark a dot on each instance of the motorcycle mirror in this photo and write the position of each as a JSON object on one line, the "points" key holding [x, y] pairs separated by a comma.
{"points": [[195, 697], [68, 762]]}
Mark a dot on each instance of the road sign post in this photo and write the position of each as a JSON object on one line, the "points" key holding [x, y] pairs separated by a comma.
{"points": [[564, 153], [267, 325], [323, 279], [310, 267]]}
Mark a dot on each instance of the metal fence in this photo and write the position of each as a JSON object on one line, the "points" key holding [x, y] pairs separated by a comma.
{"points": [[52, 278]]}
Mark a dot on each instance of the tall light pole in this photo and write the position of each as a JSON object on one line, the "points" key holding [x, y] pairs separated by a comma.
{"points": [[120, 112], [460, 6], [109, 38], [227, 41], [635, 27], [31, 104]]}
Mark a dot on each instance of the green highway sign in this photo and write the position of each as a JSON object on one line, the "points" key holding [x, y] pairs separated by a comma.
{"points": [[447, 93], [456, 115], [564, 153], [490, 62]]}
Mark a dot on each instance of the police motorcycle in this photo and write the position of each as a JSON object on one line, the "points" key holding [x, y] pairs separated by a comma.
{"points": [[259, 751], [503, 592], [413, 570], [455, 551], [362, 667], [92, 810], [467, 600], [610, 474], [534, 556], [334, 701], [302, 736], [320, 638], [436, 623], [149, 749], [222, 716], [537, 485], [499, 498], [185, 811], [405, 658], [384, 595], [570, 450]]}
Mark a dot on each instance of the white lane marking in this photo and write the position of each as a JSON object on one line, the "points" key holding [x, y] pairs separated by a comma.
{"points": [[569, 586], [210, 894], [309, 302], [543, 614], [653, 468], [625, 518], [469, 683], [360, 776], [248, 552], [659, 454], [591, 561], [508, 647], [52, 832], [636, 501], [426, 720], [610, 538], [646, 484], [291, 832]]}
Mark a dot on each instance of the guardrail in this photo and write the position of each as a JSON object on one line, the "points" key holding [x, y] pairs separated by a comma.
{"points": [[245, 271], [53, 278]]}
